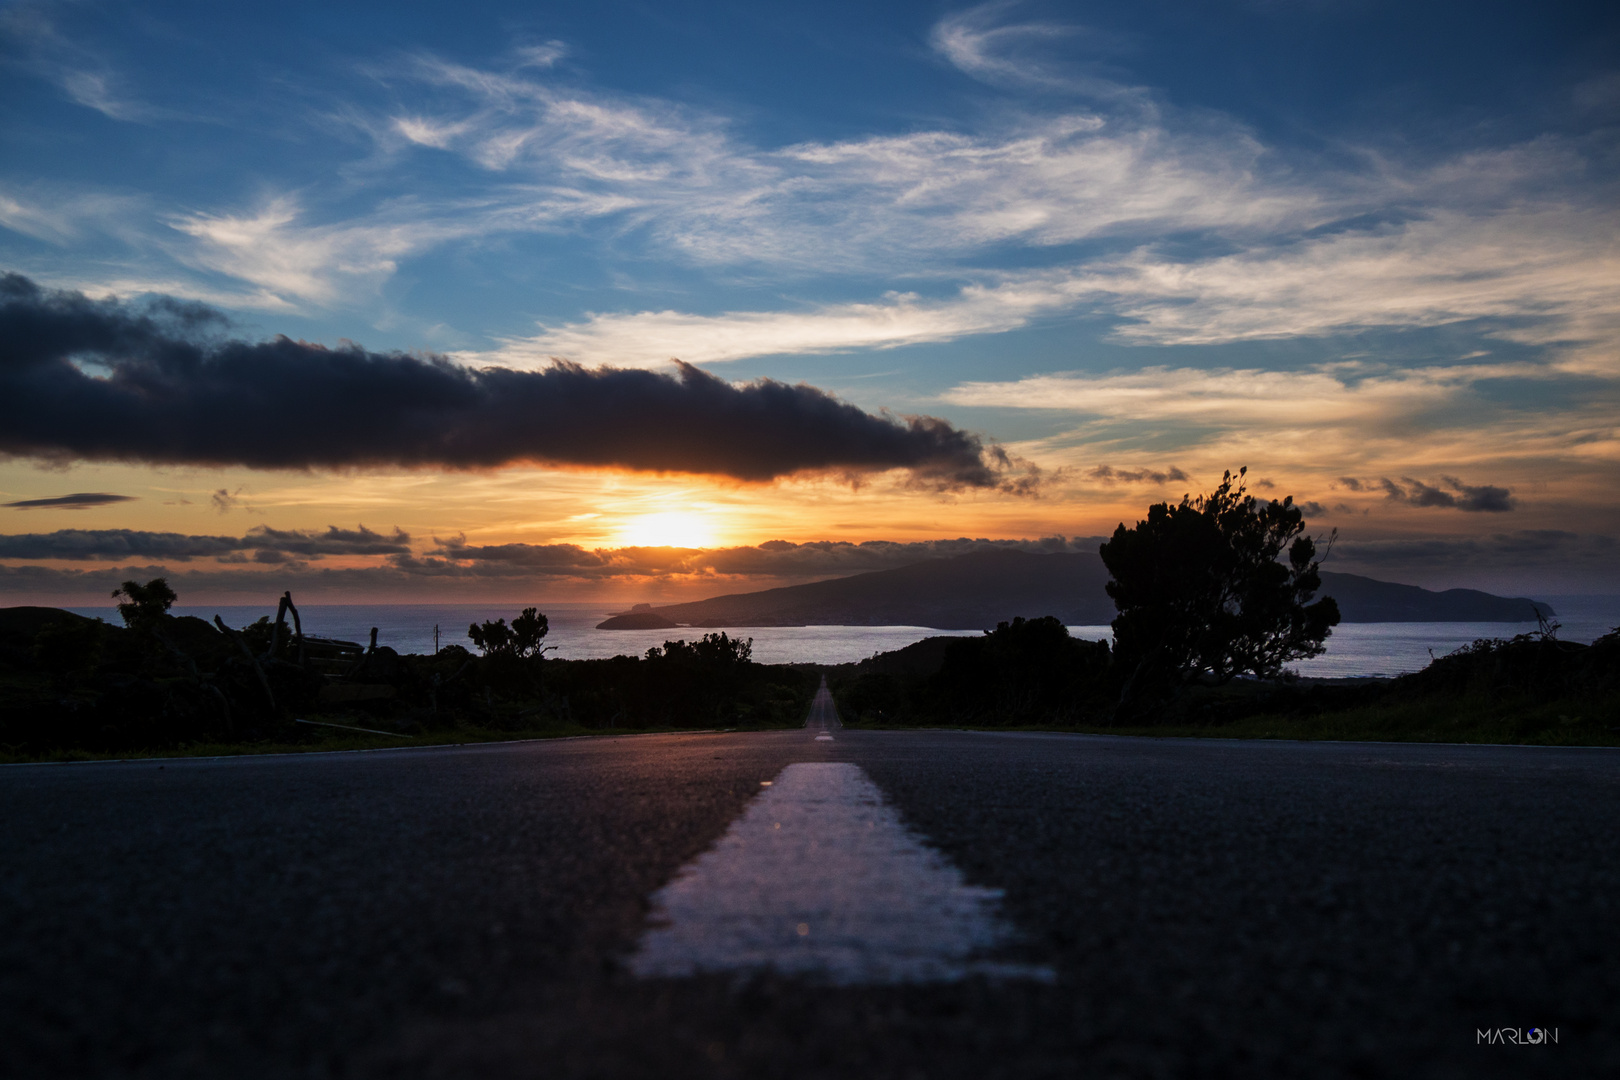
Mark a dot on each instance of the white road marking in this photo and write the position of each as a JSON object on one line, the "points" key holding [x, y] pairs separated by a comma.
{"points": [[823, 713], [820, 878]]}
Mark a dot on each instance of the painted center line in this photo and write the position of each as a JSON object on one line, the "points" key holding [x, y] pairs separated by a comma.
{"points": [[820, 878]]}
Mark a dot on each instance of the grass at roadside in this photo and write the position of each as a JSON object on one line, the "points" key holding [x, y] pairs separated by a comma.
{"points": [[333, 739], [1558, 723]]}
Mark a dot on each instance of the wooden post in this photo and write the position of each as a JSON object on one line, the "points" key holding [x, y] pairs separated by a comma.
{"points": [[275, 631], [298, 625]]}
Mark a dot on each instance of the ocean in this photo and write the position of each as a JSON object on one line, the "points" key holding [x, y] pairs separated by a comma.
{"points": [[1355, 649]]}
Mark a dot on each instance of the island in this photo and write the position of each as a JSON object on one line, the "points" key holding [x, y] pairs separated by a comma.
{"points": [[640, 617]]}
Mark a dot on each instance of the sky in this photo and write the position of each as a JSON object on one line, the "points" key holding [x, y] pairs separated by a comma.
{"points": [[636, 301]]}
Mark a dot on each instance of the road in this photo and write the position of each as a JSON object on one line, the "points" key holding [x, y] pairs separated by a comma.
{"points": [[1168, 908]]}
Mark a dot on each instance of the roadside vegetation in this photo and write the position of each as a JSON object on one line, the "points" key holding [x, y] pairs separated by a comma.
{"points": [[1531, 689], [78, 688], [1215, 596]]}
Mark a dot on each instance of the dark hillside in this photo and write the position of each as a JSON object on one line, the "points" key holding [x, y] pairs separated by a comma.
{"points": [[1364, 599], [18, 625], [967, 592], [978, 590]]}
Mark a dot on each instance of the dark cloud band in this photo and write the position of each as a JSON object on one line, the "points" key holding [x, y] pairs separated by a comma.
{"points": [[103, 380], [80, 501], [1478, 498], [266, 544], [453, 570], [454, 557], [1107, 474], [774, 558]]}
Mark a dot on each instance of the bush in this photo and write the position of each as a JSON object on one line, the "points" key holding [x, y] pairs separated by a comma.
{"points": [[1024, 672], [144, 606], [1202, 591], [521, 640]]}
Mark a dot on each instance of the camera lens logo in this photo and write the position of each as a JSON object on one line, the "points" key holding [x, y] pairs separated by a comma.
{"points": [[1516, 1036]]}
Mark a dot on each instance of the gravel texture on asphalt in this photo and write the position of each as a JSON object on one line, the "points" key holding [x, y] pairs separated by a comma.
{"points": [[1211, 909]]}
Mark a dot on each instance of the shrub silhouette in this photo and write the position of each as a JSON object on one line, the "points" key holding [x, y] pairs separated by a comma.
{"points": [[144, 606], [1024, 672], [712, 650], [522, 639]]}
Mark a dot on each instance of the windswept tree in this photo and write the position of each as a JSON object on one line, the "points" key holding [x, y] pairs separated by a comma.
{"points": [[1215, 587], [522, 639], [143, 606]]}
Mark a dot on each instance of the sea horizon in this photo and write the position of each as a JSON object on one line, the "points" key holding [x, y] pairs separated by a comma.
{"points": [[1369, 649]]}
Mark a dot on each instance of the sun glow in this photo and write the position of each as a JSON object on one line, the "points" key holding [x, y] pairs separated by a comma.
{"points": [[668, 529]]}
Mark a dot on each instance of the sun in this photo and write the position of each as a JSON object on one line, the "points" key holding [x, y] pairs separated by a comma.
{"points": [[668, 529]]}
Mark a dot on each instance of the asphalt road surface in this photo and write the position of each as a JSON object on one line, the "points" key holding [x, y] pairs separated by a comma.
{"points": [[1167, 908]]}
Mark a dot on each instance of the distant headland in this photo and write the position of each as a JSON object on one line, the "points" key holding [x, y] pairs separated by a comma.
{"points": [[978, 590], [640, 617]]}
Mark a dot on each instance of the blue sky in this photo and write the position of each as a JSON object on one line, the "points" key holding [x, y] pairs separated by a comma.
{"points": [[1368, 249]]}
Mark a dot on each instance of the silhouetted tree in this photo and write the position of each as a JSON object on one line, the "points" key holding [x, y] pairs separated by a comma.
{"points": [[144, 606], [713, 649], [1201, 590], [522, 639]]}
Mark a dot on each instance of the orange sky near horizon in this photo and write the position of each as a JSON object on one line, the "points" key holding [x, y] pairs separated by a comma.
{"points": [[607, 510]]}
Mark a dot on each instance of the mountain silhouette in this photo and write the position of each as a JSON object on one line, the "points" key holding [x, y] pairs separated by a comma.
{"points": [[979, 589]]}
